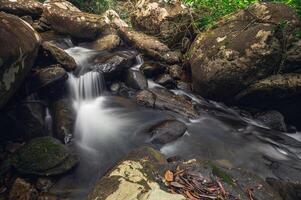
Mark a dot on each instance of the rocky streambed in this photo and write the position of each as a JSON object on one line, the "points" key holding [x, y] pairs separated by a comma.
{"points": [[97, 107]]}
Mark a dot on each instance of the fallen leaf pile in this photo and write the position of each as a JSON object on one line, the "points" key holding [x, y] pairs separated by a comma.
{"points": [[196, 187]]}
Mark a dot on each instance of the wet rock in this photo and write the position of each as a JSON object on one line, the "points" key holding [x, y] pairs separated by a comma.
{"points": [[44, 156], [149, 45], [287, 190], [135, 79], [63, 119], [75, 23], [272, 119], [59, 40], [152, 69], [113, 65], [170, 21], [167, 131], [22, 190], [184, 86], [49, 78], [246, 42], [163, 99], [22, 7], [53, 54], [166, 80], [28, 118], [133, 177], [21, 44]]}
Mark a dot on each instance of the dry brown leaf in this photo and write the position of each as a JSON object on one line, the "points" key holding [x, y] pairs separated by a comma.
{"points": [[168, 176]]}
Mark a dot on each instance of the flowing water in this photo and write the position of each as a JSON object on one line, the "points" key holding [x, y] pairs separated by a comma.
{"points": [[107, 127]]}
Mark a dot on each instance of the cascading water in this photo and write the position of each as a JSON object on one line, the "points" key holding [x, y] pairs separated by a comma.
{"points": [[108, 127]]}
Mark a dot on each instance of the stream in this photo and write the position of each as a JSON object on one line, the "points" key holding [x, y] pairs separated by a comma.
{"points": [[107, 127]]}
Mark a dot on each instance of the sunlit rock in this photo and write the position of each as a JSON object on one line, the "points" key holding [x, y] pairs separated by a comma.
{"points": [[22, 7]]}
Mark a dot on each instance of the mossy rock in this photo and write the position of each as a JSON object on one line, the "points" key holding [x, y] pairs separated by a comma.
{"points": [[43, 156]]}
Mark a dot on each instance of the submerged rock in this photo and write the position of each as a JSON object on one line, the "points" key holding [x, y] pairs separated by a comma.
{"points": [[243, 48], [287, 190], [149, 45], [164, 99], [167, 131], [136, 80], [272, 119], [19, 44], [22, 7], [44, 156]]}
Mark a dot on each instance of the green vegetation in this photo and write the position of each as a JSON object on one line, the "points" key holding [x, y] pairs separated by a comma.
{"points": [[93, 6], [218, 8]]}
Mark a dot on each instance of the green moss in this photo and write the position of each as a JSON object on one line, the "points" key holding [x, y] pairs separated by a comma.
{"points": [[221, 174]]}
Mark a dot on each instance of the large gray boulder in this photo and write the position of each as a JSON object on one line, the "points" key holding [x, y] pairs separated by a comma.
{"points": [[19, 46], [244, 47]]}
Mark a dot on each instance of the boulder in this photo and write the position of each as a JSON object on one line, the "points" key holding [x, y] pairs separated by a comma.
{"points": [[43, 156], [167, 131], [151, 69], [20, 45], [22, 190], [75, 23], [166, 80], [28, 117], [272, 119], [136, 80], [49, 78], [104, 43], [169, 20], [149, 45], [63, 119], [52, 54], [176, 72], [243, 48], [59, 40], [22, 7], [163, 99]]}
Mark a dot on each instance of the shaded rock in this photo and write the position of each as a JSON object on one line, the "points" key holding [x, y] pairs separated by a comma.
{"points": [[272, 119], [246, 42], [75, 23], [149, 45], [19, 44], [170, 21], [175, 71], [184, 86], [22, 7], [63, 119], [49, 78], [28, 19], [135, 79], [167, 131], [287, 190], [151, 69], [59, 40], [44, 156], [44, 184], [166, 80], [28, 117], [63, 4], [22, 190], [163, 99], [53, 55]]}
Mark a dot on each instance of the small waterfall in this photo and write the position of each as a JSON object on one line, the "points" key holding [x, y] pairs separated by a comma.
{"points": [[87, 86]]}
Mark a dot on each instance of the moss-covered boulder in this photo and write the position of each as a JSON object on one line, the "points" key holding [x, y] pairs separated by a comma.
{"points": [[22, 7], [19, 45], [244, 47], [43, 156]]}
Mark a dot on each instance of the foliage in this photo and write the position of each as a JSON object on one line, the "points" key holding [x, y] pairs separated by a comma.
{"points": [[93, 6], [218, 8]]}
